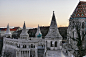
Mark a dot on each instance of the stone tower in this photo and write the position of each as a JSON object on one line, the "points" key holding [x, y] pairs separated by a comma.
{"points": [[24, 34], [53, 38]]}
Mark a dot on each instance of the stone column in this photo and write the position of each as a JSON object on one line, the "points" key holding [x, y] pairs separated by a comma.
{"points": [[29, 52], [16, 53], [19, 53], [36, 53]]}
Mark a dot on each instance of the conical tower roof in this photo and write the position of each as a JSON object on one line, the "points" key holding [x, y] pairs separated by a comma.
{"points": [[38, 33], [53, 30], [24, 26], [80, 11], [8, 30], [24, 32]]}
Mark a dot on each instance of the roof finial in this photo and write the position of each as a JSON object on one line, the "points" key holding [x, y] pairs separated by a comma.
{"points": [[53, 11], [24, 26]]}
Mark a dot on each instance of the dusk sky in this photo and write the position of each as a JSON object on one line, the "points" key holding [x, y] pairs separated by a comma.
{"points": [[35, 12]]}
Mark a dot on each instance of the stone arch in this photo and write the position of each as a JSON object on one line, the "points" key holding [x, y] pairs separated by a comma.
{"points": [[55, 43]]}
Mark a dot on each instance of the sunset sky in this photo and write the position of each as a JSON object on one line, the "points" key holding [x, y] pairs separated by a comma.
{"points": [[35, 12]]}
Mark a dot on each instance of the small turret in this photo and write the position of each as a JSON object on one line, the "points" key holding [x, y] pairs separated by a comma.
{"points": [[24, 34], [53, 39], [8, 33], [38, 33], [53, 30]]}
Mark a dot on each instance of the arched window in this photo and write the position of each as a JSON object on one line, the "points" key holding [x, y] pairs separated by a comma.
{"points": [[51, 44], [34, 46], [83, 25], [25, 46], [55, 43], [31, 45], [73, 24]]}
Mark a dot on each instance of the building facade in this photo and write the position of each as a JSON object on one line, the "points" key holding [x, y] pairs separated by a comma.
{"points": [[76, 29], [25, 46]]}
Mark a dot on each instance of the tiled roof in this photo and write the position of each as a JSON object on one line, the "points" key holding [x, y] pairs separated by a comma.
{"points": [[13, 29], [80, 10]]}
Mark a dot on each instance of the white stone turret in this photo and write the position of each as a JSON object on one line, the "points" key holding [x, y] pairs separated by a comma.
{"points": [[38, 33], [8, 33], [53, 30], [24, 34], [53, 39]]}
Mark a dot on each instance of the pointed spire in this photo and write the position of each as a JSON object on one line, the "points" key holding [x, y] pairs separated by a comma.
{"points": [[8, 29], [53, 30], [24, 26], [53, 22], [24, 29], [38, 33], [8, 33], [38, 25], [24, 34]]}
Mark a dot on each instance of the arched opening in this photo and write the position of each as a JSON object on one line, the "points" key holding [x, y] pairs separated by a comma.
{"points": [[55, 43], [51, 44], [25, 46], [31, 45], [83, 25], [34, 46]]}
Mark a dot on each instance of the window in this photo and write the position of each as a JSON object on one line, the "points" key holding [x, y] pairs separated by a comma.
{"points": [[31, 45], [82, 25], [34, 46], [24, 46], [51, 44], [55, 43]]}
